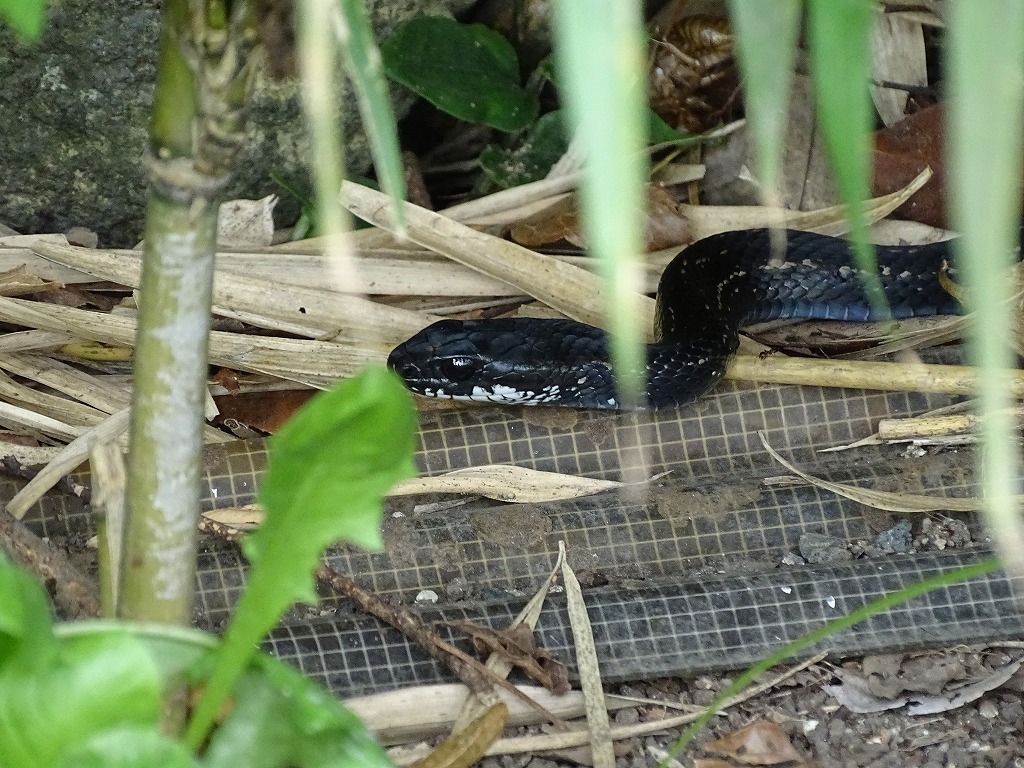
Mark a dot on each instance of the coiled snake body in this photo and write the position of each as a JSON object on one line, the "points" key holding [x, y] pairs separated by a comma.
{"points": [[710, 290]]}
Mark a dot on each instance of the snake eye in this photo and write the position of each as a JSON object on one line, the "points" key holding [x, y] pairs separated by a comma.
{"points": [[457, 368]]}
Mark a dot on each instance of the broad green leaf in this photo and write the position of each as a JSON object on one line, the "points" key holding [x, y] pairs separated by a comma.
{"points": [[329, 468], [129, 748], [531, 160], [26, 629], [94, 683], [25, 17], [281, 718], [985, 46], [765, 32], [599, 54], [468, 71], [840, 40], [362, 60]]}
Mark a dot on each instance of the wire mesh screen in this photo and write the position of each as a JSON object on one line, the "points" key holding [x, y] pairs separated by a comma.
{"points": [[688, 578]]}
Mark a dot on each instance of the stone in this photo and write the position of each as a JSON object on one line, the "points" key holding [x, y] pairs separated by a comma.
{"points": [[78, 101]]}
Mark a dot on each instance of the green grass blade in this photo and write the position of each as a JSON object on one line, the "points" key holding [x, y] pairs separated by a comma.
{"points": [[840, 38], [765, 32], [599, 53], [985, 50], [362, 62], [859, 615], [317, 59]]}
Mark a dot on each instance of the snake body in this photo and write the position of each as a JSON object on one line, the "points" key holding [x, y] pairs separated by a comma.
{"points": [[706, 294]]}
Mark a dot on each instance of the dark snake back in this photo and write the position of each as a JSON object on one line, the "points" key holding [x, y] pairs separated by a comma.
{"points": [[710, 290]]}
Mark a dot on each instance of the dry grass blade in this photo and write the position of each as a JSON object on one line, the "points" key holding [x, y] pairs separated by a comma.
{"points": [[555, 741], [505, 482], [890, 502], [313, 363], [62, 409], [73, 454], [13, 415], [709, 220], [498, 664], [599, 728], [306, 311], [571, 290]]}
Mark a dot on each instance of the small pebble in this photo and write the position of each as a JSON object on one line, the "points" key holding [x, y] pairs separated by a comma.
{"points": [[988, 709], [792, 558], [819, 548], [427, 596], [896, 539]]}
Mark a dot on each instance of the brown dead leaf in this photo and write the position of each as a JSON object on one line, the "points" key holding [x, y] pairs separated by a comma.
{"points": [[665, 225], [760, 743], [518, 646], [463, 749], [711, 763], [19, 281], [263, 411], [905, 149]]}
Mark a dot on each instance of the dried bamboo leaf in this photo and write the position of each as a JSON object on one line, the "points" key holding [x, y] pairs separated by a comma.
{"points": [[709, 220], [573, 291], [56, 407], [598, 726], [16, 251], [313, 363], [23, 418], [81, 386], [505, 482], [313, 311], [73, 454], [890, 502]]}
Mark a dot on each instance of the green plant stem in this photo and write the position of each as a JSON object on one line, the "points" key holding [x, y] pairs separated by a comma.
{"points": [[202, 84], [170, 385]]}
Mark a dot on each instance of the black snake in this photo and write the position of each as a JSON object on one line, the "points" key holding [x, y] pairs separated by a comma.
{"points": [[711, 289]]}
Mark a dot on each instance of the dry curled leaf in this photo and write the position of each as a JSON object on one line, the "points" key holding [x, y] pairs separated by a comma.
{"points": [[463, 749], [760, 743], [665, 226], [693, 82], [506, 483], [518, 646]]}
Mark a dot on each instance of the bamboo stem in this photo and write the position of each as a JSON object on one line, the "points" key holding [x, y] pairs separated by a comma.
{"points": [[860, 374]]}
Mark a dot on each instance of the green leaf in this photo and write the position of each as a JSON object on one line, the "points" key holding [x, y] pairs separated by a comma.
{"points": [[543, 145], [282, 718], [600, 54], [984, 47], [94, 684], [660, 132], [766, 46], [468, 71], [25, 17], [363, 62], [129, 748], [329, 468], [839, 32], [26, 629]]}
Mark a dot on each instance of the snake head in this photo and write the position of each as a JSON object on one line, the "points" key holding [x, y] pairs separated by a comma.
{"points": [[516, 360]]}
